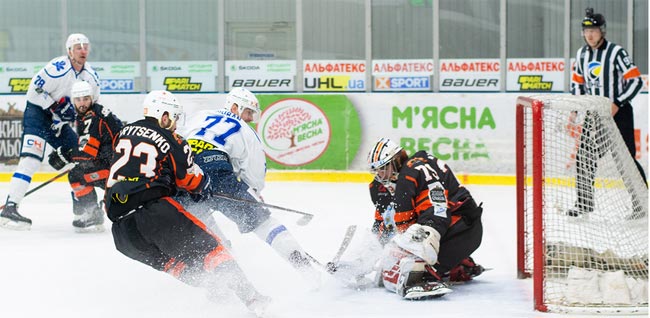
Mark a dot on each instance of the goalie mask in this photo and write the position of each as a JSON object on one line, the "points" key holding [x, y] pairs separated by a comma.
{"points": [[159, 103], [244, 100], [385, 161]]}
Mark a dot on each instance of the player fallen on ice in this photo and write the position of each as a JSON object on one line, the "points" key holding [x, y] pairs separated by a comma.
{"points": [[427, 221], [96, 127], [150, 164]]}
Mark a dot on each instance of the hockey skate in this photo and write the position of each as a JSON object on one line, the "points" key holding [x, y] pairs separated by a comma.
{"points": [[463, 272], [89, 222], [581, 207], [303, 264], [258, 304], [426, 290], [11, 219], [577, 211]]}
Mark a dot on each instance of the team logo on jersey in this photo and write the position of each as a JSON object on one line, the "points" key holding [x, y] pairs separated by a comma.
{"points": [[594, 69], [294, 132]]}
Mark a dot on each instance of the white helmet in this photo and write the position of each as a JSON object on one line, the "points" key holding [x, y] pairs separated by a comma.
{"points": [[383, 153], [76, 38], [81, 89], [157, 103], [244, 99]]}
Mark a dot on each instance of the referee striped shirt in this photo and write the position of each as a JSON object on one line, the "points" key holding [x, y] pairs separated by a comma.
{"points": [[606, 71]]}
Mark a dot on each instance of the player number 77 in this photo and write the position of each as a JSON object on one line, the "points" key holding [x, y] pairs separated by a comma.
{"points": [[216, 119]]}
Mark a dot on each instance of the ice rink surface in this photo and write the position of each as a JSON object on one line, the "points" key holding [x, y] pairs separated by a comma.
{"points": [[51, 271]]}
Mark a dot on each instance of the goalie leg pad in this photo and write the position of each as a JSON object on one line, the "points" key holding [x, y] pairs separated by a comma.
{"points": [[422, 241]]}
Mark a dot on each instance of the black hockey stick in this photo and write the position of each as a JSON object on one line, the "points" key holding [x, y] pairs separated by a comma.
{"points": [[302, 221], [43, 184]]}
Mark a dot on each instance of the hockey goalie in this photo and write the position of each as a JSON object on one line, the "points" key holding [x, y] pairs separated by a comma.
{"points": [[427, 223]]}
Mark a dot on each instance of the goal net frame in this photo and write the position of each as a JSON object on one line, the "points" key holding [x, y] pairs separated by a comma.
{"points": [[538, 217]]}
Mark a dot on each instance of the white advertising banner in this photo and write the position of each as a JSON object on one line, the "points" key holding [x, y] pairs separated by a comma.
{"points": [[118, 77], [402, 75], [470, 75], [183, 76], [262, 76], [536, 75], [334, 75], [474, 133], [15, 77]]}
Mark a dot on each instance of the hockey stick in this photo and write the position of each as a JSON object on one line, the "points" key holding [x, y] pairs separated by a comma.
{"points": [[43, 184], [302, 221], [349, 233]]}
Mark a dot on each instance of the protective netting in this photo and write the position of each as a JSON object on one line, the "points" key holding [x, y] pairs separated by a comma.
{"points": [[594, 230]]}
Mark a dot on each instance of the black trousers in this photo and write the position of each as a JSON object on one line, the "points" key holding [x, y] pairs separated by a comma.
{"points": [[461, 239], [162, 234], [594, 143]]}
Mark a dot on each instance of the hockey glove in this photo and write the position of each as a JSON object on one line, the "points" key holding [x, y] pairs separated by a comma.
{"points": [[64, 109], [59, 158], [206, 191], [422, 241]]}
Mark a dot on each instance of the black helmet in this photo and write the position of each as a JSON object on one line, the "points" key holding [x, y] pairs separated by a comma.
{"points": [[593, 20]]}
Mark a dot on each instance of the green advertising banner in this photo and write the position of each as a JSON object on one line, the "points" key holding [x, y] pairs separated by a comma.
{"points": [[309, 131]]}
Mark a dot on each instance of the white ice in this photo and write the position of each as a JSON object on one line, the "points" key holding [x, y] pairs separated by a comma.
{"points": [[51, 271]]}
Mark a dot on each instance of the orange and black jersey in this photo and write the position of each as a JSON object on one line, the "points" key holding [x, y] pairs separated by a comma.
{"points": [[426, 192], [149, 162], [96, 129]]}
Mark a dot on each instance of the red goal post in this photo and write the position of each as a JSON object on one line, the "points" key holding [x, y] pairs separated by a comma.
{"points": [[594, 261]]}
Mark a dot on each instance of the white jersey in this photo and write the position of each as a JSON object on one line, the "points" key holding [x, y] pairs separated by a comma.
{"points": [[225, 131], [55, 80]]}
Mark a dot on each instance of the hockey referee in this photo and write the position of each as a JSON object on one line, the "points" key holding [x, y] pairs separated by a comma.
{"points": [[605, 69]]}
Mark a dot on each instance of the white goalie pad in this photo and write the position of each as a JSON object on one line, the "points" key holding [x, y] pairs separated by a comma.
{"points": [[420, 240]]}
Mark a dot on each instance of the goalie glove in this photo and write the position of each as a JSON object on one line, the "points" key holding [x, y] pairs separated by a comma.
{"points": [[422, 241]]}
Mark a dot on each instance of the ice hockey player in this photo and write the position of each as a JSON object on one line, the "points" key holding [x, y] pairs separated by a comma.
{"points": [[231, 153], [96, 127], [150, 163], [47, 114], [429, 222]]}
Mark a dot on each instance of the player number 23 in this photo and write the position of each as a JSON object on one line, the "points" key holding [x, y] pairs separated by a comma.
{"points": [[148, 151]]}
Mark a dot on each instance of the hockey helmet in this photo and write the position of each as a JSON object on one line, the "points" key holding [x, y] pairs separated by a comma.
{"points": [[244, 100], [593, 20], [81, 89], [159, 102], [383, 155], [77, 38]]}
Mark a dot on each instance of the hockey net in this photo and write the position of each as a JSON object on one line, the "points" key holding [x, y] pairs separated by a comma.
{"points": [[585, 253]]}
